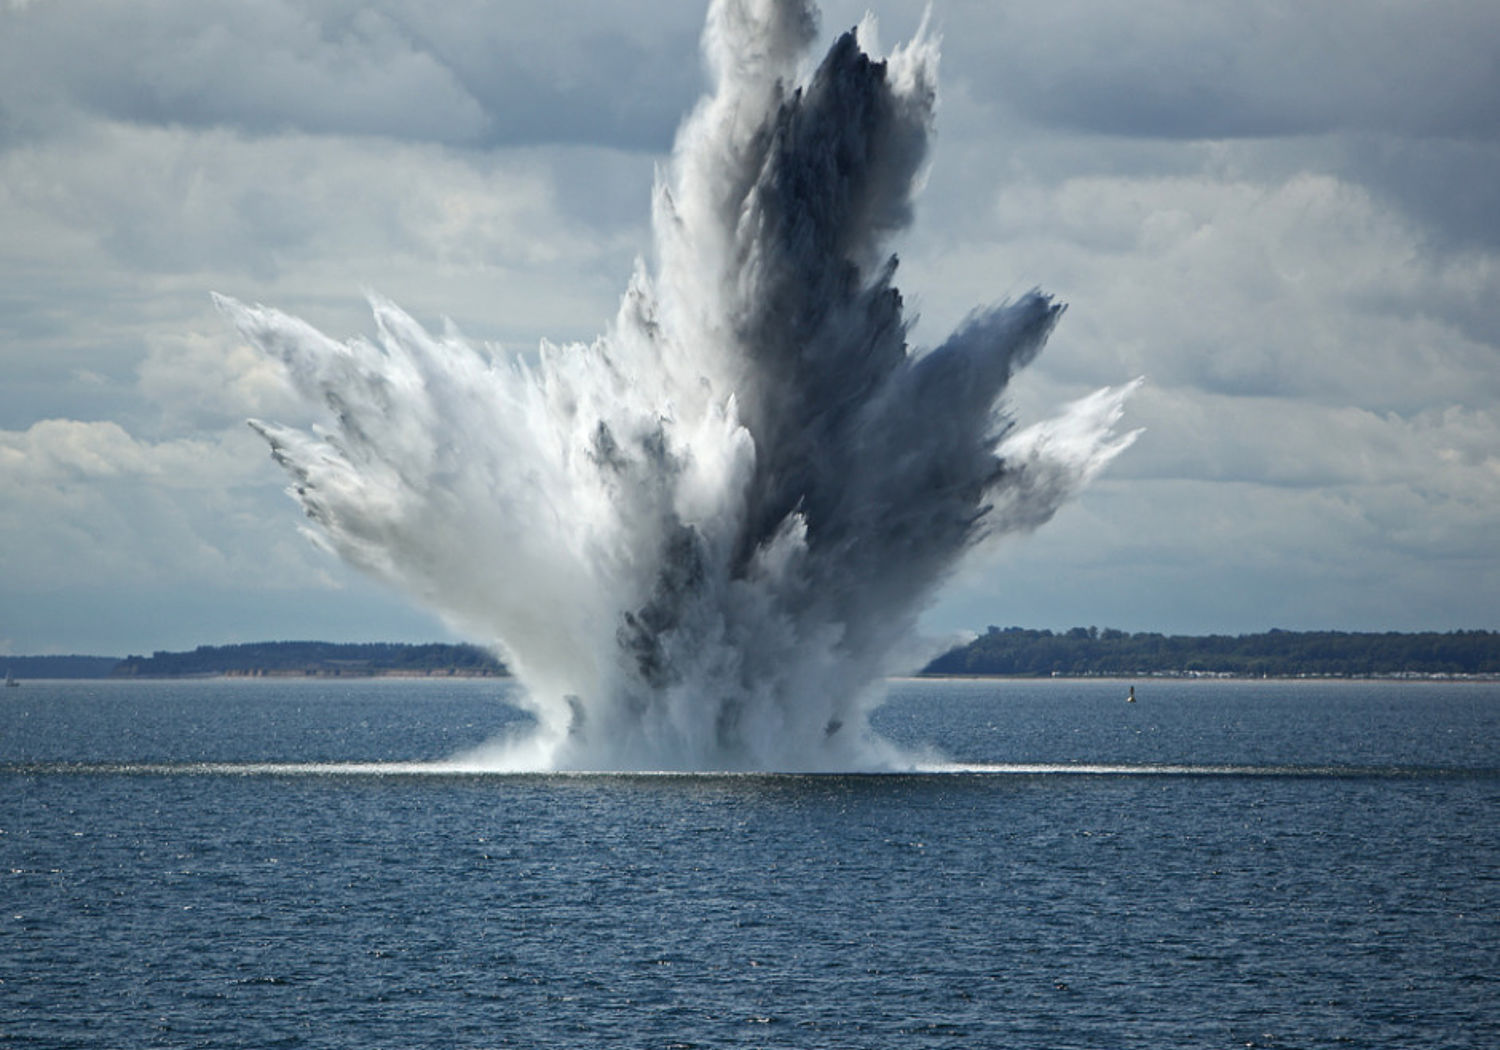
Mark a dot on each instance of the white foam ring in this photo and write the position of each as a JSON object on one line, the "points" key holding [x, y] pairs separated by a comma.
{"points": [[703, 540]]}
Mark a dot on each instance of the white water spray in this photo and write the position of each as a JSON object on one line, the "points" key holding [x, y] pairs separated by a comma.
{"points": [[702, 541]]}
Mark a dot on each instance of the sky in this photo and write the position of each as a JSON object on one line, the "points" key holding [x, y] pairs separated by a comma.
{"points": [[1284, 215]]}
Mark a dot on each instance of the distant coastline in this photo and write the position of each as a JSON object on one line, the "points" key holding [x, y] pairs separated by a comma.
{"points": [[1085, 652], [1210, 676], [274, 660], [1013, 652]]}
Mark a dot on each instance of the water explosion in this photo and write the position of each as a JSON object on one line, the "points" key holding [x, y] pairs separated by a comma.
{"points": [[702, 541]]}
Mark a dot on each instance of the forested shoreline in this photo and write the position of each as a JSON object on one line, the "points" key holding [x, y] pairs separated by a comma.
{"points": [[1007, 652], [1086, 651], [327, 659], [271, 659]]}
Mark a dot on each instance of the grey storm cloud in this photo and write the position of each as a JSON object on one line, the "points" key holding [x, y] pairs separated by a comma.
{"points": [[622, 74], [1184, 69], [1451, 186], [1402, 97], [460, 74]]}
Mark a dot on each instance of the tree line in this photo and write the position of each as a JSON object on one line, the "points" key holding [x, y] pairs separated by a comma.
{"points": [[1089, 651], [314, 658], [1014, 651]]}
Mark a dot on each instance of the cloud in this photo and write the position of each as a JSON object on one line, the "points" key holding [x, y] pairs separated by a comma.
{"points": [[1195, 557], [1286, 215], [1450, 453], [1179, 69], [174, 200], [1451, 187], [113, 543], [88, 502], [467, 73], [214, 379], [127, 464], [1399, 97], [117, 233], [1304, 287]]}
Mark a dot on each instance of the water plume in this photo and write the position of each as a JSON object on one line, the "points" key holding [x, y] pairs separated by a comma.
{"points": [[703, 540]]}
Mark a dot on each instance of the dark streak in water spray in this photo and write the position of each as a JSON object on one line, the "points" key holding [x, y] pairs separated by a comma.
{"points": [[703, 540]]}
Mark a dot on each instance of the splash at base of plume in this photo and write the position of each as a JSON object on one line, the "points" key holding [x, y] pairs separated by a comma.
{"points": [[702, 541]]}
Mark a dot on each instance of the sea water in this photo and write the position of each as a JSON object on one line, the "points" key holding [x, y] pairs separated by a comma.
{"points": [[280, 864]]}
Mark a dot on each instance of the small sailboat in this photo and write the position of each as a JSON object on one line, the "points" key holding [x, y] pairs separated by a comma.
{"points": [[10, 679], [1131, 698]]}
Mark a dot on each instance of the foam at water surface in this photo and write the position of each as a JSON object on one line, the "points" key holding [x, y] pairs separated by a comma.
{"points": [[703, 540]]}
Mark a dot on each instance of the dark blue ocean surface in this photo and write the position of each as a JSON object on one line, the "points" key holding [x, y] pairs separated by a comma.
{"points": [[1321, 870]]}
